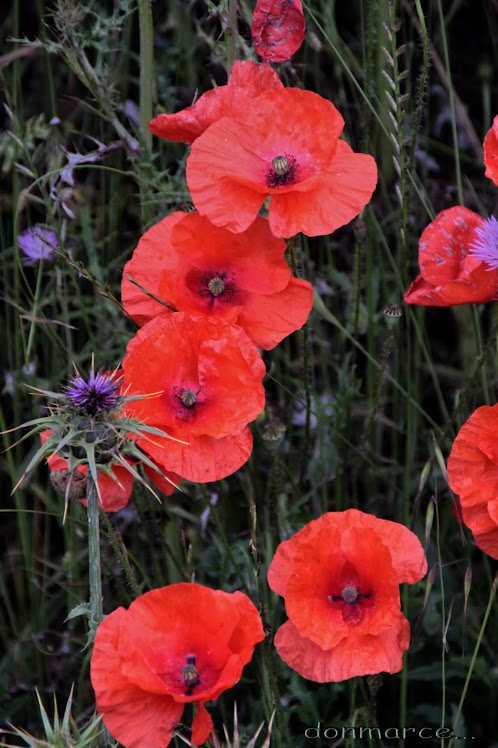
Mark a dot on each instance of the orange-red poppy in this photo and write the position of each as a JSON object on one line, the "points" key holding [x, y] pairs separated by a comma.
{"points": [[278, 29], [449, 275], [175, 645], [340, 577], [491, 151], [284, 144], [247, 81], [206, 376], [473, 475], [199, 268]]}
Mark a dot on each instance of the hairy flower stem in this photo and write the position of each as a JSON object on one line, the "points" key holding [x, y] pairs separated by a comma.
{"points": [[146, 69], [94, 567], [373, 413], [231, 34], [306, 370]]}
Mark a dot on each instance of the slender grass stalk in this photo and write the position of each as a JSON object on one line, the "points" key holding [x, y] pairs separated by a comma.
{"points": [[232, 33], [94, 565], [487, 612], [146, 69]]}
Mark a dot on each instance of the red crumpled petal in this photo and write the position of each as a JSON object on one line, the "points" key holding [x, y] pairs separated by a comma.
{"points": [[449, 276], [247, 81], [473, 475], [372, 654], [491, 152], [204, 459], [278, 29]]}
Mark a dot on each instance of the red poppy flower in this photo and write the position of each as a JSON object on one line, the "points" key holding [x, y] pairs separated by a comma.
{"points": [[340, 578], [200, 268], [247, 81], [284, 144], [473, 475], [491, 152], [207, 376], [278, 29], [175, 645], [449, 274]]}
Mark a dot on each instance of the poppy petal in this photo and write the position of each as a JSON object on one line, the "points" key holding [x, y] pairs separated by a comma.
{"points": [[491, 151], [381, 653], [247, 81], [269, 319], [202, 725], [473, 475], [278, 29], [204, 459]]}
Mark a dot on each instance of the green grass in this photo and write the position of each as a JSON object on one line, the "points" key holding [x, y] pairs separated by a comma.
{"points": [[382, 404]]}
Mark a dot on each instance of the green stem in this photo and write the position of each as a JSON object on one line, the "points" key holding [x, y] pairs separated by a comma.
{"points": [[94, 566], [231, 34], [146, 69], [474, 655]]}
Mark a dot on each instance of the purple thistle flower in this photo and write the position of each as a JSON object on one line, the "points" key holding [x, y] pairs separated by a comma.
{"points": [[90, 397], [485, 248], [34, 247]]}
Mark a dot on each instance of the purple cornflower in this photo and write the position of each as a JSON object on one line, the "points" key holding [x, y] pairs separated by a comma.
{"points": [[98, 393], [485, 248], [34, 247]]}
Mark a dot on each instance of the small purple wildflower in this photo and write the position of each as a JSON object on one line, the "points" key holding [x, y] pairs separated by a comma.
{"points": [[485, 248], [34, 247], [90, 397]]}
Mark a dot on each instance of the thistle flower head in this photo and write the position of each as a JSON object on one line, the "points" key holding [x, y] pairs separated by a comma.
{"points": [[100, 392], [87, 428], [485, 247]]}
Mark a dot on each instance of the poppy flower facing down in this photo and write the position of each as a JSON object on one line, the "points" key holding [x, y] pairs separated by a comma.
{"points": [[491, 152], [340, 577], [113, 494], [284, 144], [449, 275], [175, 645], [247, 81], [473, 475], [207, 378], [278, 29], [199, 268]]}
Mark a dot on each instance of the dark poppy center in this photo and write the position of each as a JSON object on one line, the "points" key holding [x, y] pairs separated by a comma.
{"points": [[352, 603], [349, 594], [284, 170], [190, 674], [213, 286], [185, 402]]}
